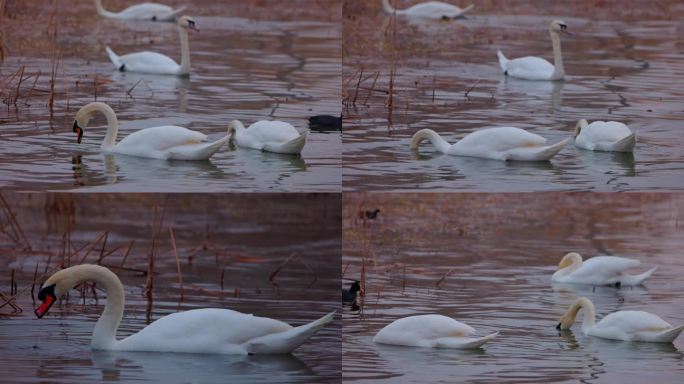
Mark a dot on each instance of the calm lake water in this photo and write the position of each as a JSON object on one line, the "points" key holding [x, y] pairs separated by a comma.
{"points": [[487, 260], [213, 236], [246, 64], [622, 64]]}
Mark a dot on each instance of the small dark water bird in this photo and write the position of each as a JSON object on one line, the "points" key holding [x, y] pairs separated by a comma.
{"points": [[349, 296], [369, 214], [325, 123]]}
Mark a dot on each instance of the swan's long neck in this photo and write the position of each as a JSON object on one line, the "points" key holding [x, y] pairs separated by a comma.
{"points": [[102, 11], [112, 123], [104, 334], [558, 70], [185, 52], [589, 314], [428, 134], [387, 7]]}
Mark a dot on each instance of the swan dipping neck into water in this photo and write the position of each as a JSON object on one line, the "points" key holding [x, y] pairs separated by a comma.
{"points": [[208, 330], [536, 68], [500, 143]]}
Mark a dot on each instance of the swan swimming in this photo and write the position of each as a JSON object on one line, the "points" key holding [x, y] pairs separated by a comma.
{"points": [[431, 331], [208, 330], [500, 143], [620, 325], [269, 136], [429, 10], [599, 270], [609, 136], [168, 142], [143, 11], [156, 63], [536, 68]]}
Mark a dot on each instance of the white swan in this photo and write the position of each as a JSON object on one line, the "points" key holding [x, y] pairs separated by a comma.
{"points": [[501, 143], [168, 142], [144, 11], [536, 68], [156, 63], [609, 136], [269, 136], [209, 330], [429, 9], [598, 270], [620, 325], [432, 331]]}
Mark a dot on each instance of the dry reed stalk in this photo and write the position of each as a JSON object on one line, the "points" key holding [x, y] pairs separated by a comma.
{"points": [[128, 251], [18, 89], [30, 92], [13, 284], [467, 92], [272, 277], [439, 282], [356, 90], [33, 284], [93, 244], [104, 244], [14, 224], [372, 88], [178, 267]]}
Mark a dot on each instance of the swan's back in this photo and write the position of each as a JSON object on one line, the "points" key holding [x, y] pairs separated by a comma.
{"points": [[209, 330], [530, 68], [145, 10], [631, 322], [421, 329], [149, 62], [433, 9], [604, 131], [160, 139], [265, 131], [501, 139]]}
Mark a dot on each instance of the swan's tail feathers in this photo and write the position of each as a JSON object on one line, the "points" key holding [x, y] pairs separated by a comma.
{"points": [[170, 16], [200, 151], [669, 335], [287, 341], [464, 342], [292, 147], [542, 153], [464, 11], [638, 279], [625, 144], [503, 61], [114, 59]]}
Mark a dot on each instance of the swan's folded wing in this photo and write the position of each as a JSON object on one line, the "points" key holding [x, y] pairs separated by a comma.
{"points": [[147, 61], [161, 138], [606, 131], [631, 322], [606, 266], [530, 67], [501, 139]]}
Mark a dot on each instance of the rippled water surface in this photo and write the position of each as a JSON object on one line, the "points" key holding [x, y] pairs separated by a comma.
{"points": [[250, 61], [227, 252], [623, 63], [487, 260]]}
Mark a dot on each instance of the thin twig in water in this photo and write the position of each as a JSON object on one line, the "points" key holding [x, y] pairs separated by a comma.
{"points": [[178, 267]]}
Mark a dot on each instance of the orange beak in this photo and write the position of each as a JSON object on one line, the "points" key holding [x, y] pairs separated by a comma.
{"points": [[45, 306]]}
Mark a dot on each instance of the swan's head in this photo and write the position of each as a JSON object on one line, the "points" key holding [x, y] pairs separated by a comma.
{"points": [[81, 121], [234, 126], [578, 127], [53, 288], [568, 319], [187, 22], [559, 26], [569, 259]]}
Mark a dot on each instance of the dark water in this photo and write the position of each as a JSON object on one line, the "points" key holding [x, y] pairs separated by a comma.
{"points": [[616, 70], [487, 260], [242, 68], [213, 236]]}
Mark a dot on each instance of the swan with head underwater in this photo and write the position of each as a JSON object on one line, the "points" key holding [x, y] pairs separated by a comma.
{"points": [[168, 142], [143, 11], [599, 270], [608, 136], [500, 143], [620, 325], [208, 330], [428, 10], [431, 331], [269, 136], [536, 68], [156, 63]]}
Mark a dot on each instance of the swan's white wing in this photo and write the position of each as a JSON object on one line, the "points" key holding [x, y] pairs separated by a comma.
{"points": [[272, 131], [601, 270], [145, 11], [209, 330], [624, 325], [433, 9], [422, 330], [148, 62], [154, 141], [530, 68], [501, 139], [605, 131]]}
